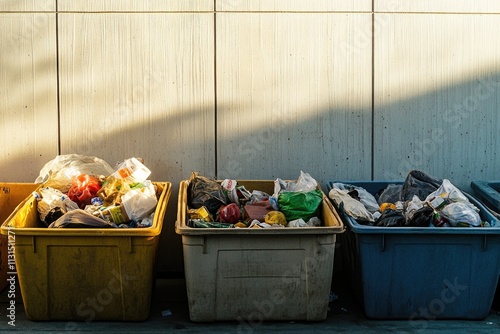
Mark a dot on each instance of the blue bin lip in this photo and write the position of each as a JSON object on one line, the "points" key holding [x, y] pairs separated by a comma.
{"points": [[365, 229], [484, 191]]}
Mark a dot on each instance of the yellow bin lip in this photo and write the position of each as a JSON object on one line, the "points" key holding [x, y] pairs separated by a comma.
{"points": [[154, 230], [333, 220]]}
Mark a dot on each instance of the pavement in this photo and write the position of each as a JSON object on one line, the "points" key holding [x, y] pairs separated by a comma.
{"points": [[170, 314]]}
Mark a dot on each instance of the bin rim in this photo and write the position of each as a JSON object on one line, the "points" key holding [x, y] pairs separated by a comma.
{"points": [[488, 195], [151, 231], [365, 229], [182, 229]]}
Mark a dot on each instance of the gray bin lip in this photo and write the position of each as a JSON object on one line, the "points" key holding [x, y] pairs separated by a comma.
{"points": [[364, 229], [182, 229]]}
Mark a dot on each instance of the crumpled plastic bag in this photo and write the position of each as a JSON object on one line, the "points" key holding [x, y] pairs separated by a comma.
{"points": [[140, 202], [352, 207], [60, 171], [391, 194], [360, 194], [461, 214], [304, 183], [298, 204], [203, 191], [80, 219], [313, 222], [83, 188], [391, 218], [449, 192], [413, 206], [52, 204], [112, 190]]}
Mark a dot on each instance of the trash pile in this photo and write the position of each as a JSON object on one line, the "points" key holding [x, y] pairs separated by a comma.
{"points": [[228, 205], [82, 191], [421, 201]]}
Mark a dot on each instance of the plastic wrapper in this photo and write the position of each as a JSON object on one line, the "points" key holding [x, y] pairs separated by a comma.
{"points": [[203, 191], [59, 172], [112, 190], [229, 214], [84, 187], [132, 171], [230, 187], [200, 213], [200, 223]]}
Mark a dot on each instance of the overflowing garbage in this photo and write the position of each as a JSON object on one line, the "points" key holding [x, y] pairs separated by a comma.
{"points": [[421, 201], [227, 204], [84, 192]]}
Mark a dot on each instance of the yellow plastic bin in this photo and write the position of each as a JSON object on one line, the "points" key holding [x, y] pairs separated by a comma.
{"points": [[85, 274], [251, 275], [11, 195]]}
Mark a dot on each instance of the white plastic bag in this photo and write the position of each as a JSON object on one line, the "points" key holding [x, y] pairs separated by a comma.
{"points": [[59, 172], [448, 191], [461, 213], [367, 199], [304, 183], [140, 202], [352, 207]]}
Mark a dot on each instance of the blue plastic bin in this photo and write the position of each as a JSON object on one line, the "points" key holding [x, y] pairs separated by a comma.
{"points": [[488, 192], [422, 272]]}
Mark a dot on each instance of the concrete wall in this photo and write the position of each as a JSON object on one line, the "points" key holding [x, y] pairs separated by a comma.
{"points": [[250, 89]]}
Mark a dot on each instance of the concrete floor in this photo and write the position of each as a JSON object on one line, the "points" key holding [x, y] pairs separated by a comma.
{"points": [[345, 316]]}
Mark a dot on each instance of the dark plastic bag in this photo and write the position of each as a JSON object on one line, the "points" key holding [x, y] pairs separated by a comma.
{"points": [[300, 205], [391, 218], [391, 194], [203, 191], [423, 217], [420, 184]]}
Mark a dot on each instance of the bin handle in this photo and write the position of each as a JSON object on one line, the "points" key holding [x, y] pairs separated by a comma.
{"points": [[485, 242], [382, 248]]}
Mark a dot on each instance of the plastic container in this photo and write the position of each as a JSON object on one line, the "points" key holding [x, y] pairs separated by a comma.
{"points": [[251, 275], [488, 192], [11, 194], [85, 274], [422, 272]]}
